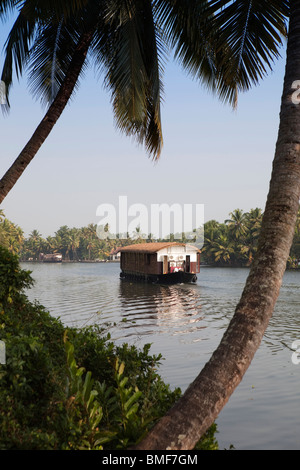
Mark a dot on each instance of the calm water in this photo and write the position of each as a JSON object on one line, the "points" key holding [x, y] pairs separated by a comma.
{"points": [[185, 324]]}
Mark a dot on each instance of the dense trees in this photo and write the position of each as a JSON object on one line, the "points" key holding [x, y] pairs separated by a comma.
{"points": [[234, 242], [73, 243], [231, 243], [11, 236]]}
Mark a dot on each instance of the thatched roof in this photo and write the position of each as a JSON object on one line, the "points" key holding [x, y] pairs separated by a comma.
{"points": [[151, 247]]}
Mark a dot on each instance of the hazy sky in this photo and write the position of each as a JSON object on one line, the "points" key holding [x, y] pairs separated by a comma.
{"points": [[212, 155]]}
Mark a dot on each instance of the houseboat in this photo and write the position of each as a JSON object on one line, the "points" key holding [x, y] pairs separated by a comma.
{"points": [[51, 258], [160, 262]]}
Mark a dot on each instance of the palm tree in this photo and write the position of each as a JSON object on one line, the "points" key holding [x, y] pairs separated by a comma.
{"points": [[89, 238], [223, 250], [53, 40], [253, 221], [239, 40], [11, 236], [35, 244], [297, 228], [295, 250], [251, 30], [73, 242], [119, 36], [237, 226]]}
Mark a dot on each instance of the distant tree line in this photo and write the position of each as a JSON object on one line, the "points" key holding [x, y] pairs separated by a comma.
{"points": [[231, 243], [234, 242]]}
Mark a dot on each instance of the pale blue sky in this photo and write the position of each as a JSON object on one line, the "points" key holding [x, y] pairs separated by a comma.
{"points": [[211, 155]]}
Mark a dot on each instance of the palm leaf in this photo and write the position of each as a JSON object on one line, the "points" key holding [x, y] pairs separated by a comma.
{"points": [[52, 8], [228, 44], [50, 58], [17, 48], [250, 36], [186, 27], [6, 7], [133, 63]]}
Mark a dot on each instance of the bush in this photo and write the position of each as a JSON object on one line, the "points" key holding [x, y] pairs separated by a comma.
{"points": [[67, 388], [41, 403]]}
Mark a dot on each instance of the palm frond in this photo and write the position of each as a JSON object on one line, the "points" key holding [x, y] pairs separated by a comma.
{"points": [[7, 7], [50, 58], [132, 56], [228, 44], [17, 49], [186, 27], [55, 9], [250, 36]]}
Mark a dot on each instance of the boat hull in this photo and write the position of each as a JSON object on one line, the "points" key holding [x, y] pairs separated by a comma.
{"points": [[179, 277]]}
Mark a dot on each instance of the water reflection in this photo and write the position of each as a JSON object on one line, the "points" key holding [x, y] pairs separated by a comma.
{"points": [[284, 325], [185, 324], [83, 294], [174, 309]]}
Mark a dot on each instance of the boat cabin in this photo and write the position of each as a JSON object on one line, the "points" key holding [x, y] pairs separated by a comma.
{"points": [[51, 258], [160, 262]]}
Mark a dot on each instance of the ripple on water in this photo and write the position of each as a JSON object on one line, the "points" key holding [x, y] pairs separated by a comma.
{"points": [[185, 324]]}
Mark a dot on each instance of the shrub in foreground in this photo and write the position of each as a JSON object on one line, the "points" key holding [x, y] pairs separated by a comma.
{"points": [[63, 388]]}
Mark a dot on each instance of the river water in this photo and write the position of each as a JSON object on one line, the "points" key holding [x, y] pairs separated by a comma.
{"points": [[185, 324]]}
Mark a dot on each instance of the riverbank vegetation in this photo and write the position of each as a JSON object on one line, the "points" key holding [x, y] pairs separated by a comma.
{"points": [[65, 388], [231, 243], [234, 242]]}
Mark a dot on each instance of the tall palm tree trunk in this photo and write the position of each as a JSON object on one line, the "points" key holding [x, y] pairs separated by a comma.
{"points": [[46, 125], [200, 405]]}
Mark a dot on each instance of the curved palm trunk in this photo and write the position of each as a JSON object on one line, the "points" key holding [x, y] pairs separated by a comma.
{"points": [[46, 125], [200, 405]]}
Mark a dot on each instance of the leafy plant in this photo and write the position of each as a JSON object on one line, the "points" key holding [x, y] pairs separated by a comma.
{"points": [[67, 388], [83, 409], [13, 279]]}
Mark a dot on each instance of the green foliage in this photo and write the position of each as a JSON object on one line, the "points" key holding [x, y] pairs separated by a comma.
{"points": [[234, 242], [127, 406], [11, 236], [13, 278], [208, 440], [67, 388], [83, 410]]}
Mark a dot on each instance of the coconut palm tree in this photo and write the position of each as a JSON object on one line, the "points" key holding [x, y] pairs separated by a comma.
{"points": [[252, 31], [127, 39], [73, 240], [297, 228], [35, 243], [237, 226], [239, 40], [223, 250], [253, 221], [11, 236], [117, 36]]}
